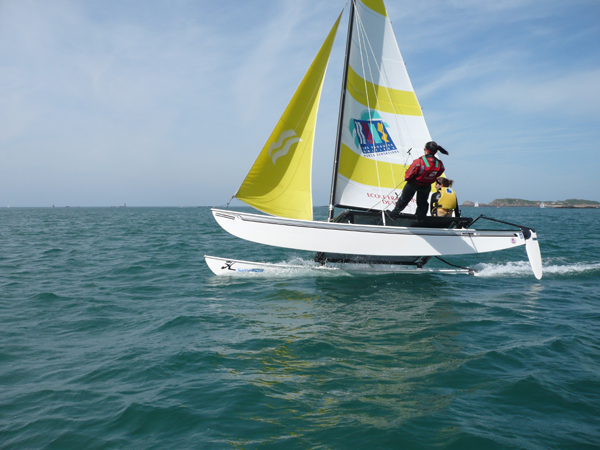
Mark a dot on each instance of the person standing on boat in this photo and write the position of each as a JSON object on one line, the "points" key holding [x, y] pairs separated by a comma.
{"points": [[420, 175], [444, 201]]}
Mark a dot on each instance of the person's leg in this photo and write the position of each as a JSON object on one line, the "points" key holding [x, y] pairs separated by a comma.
{"points": [[407, 194], [422, 203]]}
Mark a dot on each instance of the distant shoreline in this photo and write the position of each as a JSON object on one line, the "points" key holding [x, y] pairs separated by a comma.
{"points": [[472, 205], [520, 203]]}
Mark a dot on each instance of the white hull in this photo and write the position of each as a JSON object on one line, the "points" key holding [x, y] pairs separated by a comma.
{"points": [[354, 239], [234, 267]]}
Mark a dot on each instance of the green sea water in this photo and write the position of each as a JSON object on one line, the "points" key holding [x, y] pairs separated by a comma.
{"points": [[115, 335]]}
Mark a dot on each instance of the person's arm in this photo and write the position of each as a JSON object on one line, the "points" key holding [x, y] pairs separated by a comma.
{"points": [[412, 170]]}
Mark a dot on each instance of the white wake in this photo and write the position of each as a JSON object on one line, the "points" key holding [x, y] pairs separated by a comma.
{"points": [[522, 268]]}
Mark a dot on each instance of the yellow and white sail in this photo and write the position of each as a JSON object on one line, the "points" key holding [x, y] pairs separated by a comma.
{"points": [[383, 129], [279, 182]]}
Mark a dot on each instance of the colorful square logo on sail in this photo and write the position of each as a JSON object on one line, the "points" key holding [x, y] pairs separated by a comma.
{"points": [[373, 136]]}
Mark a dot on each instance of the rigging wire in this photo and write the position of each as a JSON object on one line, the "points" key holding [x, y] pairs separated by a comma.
{"points": [[382, 71], [361, 32], [230, 200]]}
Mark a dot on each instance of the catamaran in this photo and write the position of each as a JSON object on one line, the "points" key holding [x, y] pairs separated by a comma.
{"points": [[381, 130]]}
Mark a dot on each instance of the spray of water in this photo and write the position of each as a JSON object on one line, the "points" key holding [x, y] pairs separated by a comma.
{"points": [[522, 268]]}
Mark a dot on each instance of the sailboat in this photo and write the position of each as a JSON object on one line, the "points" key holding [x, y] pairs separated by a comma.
{"points": [[381, 130], [476, 204]]}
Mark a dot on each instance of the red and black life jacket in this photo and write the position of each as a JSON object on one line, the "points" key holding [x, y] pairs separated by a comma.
{"points": [[428, 172]]}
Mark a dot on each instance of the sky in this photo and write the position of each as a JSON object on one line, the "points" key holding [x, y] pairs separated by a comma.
{"points": [[168, 103]]}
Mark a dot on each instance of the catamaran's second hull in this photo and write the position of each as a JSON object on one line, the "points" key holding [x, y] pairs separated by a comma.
{"points": [[363, 239]]}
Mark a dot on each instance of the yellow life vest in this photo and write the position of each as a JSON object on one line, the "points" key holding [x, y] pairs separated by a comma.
{"points": [[447, 199]]}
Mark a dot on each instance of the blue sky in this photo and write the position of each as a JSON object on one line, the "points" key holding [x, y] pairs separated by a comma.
{"points": [[168, 103]]}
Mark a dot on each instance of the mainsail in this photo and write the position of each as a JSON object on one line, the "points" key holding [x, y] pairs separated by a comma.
{"points": [[279, 182], [382, 126]]}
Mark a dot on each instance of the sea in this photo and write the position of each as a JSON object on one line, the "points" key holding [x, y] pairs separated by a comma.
{"points": [[114, 334]]}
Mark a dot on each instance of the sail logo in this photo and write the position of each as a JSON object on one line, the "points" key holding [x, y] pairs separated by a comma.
{"points": [[282, 146], [373, 136]]}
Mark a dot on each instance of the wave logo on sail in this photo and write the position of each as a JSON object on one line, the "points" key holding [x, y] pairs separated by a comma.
{"points": [[283, 144]]}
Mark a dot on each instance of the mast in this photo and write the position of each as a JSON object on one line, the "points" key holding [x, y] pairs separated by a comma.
{"points": [[338, 139]]}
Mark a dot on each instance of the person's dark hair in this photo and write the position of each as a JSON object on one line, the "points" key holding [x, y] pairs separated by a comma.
{"points": [[445, 182], [434, 148]]}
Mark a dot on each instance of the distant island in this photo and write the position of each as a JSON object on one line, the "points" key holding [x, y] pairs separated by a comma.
{"points": [[518, 202]]}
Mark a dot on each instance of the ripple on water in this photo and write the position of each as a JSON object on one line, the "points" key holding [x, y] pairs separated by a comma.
{"points": [[114, 334]]}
